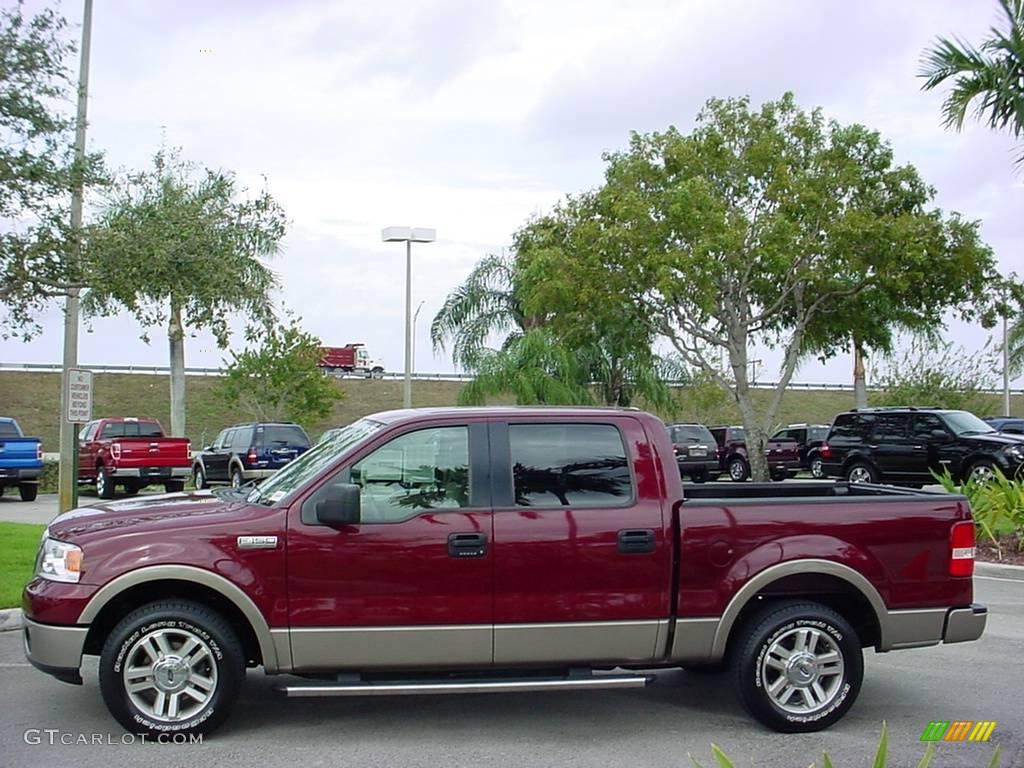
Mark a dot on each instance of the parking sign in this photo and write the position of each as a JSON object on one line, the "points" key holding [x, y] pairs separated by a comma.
{"points": [[79, 396]]}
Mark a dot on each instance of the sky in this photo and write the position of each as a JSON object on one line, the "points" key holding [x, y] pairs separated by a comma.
{"points": [[469, 116]]}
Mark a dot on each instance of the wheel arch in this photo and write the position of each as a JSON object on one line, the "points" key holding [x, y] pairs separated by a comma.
{"points": [[830, 583], [125, 593]]}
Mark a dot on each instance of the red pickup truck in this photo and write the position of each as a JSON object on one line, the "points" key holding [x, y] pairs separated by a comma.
{"points": [[134, 453], [454, 550]]}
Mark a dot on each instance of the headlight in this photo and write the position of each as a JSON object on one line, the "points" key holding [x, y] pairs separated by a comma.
{"points": [[1016, 451], [59, 561]]}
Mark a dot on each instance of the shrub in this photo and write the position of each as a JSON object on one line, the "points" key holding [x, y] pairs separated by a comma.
{"points": [[998, 506]]}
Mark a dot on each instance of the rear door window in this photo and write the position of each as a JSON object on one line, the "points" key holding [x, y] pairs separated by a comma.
{"points": [[241, 440], [925, 424], [891, 426], [569, 465]]}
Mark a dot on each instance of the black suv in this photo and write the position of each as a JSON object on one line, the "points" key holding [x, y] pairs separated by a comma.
{"points": [[905, 445], [247, 452], [809, 438], [696, 451]]}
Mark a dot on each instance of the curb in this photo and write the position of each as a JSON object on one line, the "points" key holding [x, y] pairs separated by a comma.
{"points": [[999, 570], [10, 619]]}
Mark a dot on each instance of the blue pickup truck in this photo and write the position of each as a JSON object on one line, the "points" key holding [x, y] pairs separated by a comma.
{"points": [[21, 460]]}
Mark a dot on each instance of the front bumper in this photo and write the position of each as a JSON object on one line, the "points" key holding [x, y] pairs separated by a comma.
{"points": [[156, 474], [56, 650], [965, 624]]}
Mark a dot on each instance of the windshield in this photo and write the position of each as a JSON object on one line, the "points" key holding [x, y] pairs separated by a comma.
{"points": [[312, 462], [964, 423]]}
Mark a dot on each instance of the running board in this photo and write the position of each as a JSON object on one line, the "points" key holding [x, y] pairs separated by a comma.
{"points": [[464, 686]]}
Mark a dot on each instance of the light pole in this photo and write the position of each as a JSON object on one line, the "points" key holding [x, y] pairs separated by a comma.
{"points": [[415, 317], [408, 235], [67, 477]]}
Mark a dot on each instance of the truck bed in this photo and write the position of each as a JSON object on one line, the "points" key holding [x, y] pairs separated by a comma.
{"points": [[825, 489]]}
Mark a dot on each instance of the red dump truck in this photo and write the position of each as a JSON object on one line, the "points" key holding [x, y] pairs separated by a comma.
{"points": [[352, 358]]}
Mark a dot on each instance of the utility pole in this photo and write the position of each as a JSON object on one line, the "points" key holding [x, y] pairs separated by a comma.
{"points": [[68, 471], [1006, 365]]}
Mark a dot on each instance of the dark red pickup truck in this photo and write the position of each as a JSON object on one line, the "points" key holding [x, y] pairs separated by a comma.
{"points": [[489, 549], [134, 453]]}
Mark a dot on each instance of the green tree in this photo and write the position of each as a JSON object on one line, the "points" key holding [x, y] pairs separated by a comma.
{"points": [[276, 377], [926, 372], [181, 246], [37, 247], [756, 230]]}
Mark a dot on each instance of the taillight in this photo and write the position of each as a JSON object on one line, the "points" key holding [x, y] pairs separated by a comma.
{"points": [[250, 457], [675, 449], [115, 451], [825, 451], [39, 451], [961, 544]]}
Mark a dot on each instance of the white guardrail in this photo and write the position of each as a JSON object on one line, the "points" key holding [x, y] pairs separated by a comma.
{"points": [[158, 370]]}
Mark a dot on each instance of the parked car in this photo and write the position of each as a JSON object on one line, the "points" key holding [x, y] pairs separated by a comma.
{"points": [[905, 446], [455, 550], [248, 452], [21, 460], [1009, 424], [132, 452], [809, 438], [696, 452], [783, 455]]}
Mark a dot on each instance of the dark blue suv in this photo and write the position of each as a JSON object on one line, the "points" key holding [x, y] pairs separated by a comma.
{"points": [[248, 452]]}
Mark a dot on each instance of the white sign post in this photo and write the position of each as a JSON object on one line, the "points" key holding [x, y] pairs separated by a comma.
{"points": [[79, 396]]}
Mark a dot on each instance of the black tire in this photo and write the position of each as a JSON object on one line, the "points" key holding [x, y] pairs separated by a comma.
{"points": [[826, 634], [218, 658], [816, 467], [980, 471], [739, 469], [236, 477], [132, 487], [199, 478], [104, 483], [779, 475], [700, 477], [377, 374], [174, 486], [28, 491], [1, 490], [861, 472]]}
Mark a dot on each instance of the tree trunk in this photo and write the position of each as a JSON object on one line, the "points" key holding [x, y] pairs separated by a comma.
{"points": [[860, 385], [176, 339], [755, 434]]}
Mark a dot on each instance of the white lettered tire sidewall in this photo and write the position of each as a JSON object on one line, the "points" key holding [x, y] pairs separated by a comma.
{"points": [[763, 631], [180, 615]]}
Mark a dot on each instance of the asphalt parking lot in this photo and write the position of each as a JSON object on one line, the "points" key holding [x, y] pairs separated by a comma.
{"points": [[656, 726]]}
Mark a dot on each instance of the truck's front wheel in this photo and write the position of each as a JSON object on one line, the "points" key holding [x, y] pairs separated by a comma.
{"points": [[800, 667], [171, 667]]}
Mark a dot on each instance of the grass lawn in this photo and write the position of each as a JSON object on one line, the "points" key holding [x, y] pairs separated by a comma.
{"points": [[19, 543]]}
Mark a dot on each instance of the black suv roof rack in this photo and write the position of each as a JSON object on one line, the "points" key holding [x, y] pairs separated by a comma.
{"points": [[875, 409]]}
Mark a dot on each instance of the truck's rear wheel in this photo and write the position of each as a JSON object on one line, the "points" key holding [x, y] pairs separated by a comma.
{"points": [[174, 486], [171, 667], [104, 483], [800, 667], [28, 491]]}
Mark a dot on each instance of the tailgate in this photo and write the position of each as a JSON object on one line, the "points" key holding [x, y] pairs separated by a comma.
{"points": [[151, 452], [783, 450], [17, 452]]}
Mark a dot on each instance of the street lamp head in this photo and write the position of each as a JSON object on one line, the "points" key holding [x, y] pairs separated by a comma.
{"points": [[408, 234]]}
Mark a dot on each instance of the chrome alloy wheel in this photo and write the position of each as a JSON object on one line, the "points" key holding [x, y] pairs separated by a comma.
{"points": [[860, 474], [982, 473], [170, 674], [802, 671]]}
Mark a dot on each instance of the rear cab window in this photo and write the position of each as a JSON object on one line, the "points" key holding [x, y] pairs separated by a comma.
{"points": [[570, 465], [7, 429]]}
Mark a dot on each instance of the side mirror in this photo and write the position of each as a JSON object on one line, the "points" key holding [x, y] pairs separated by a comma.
{"points": [[342, 505], [940, 434]]}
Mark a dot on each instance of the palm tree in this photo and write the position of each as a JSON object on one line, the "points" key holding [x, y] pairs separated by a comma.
{"points": [[992, 74], [484, 305]]}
